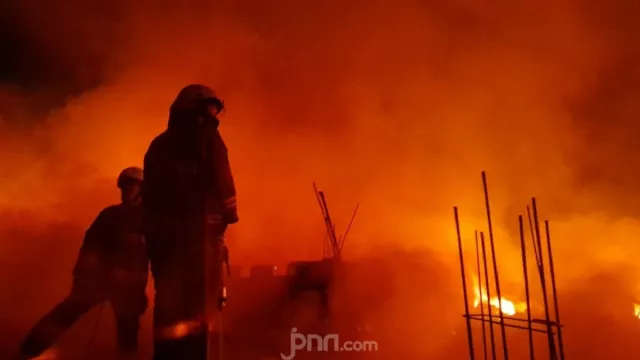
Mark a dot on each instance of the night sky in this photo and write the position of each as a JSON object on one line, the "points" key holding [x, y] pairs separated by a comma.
{"points": [[47, 54]]}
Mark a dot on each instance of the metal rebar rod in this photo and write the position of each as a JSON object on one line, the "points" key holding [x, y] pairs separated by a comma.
{"points": [[522, 327], [484, 331], [464, 285], [326, 249], [533, 320], [543, 321], [488, 290], [505, 348], [344, 237], [553, 289], [533, 236], [541, 270], [526, 286], [335, 246]]}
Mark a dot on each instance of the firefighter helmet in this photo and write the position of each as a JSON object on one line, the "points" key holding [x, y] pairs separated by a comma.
{"points": [[130, 174], [194, 95]]}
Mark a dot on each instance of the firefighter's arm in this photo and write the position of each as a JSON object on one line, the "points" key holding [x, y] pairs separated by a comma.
{"points": [[151, 165], [224, 181], [89, 256]]}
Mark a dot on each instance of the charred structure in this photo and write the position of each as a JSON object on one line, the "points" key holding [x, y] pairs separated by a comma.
{"points": [[317, 276], [305, 285]]}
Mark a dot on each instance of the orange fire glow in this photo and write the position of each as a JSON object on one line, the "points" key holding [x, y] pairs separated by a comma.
{"points": [[396, 106], [508, 307]]}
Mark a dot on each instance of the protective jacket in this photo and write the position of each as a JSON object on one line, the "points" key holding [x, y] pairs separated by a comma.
{"points": [[189, 198], [189, 176], [112, 266], [114, 246]]}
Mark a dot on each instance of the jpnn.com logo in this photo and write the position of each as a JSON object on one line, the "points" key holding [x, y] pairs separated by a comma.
{"points": [[314, 342]]}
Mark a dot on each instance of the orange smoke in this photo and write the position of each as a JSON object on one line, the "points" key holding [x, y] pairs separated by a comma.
{"points": [[393, 105], [399, 113]]}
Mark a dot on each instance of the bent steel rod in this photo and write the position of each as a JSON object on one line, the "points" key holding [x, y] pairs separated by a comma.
{"points": [[484, 331], [505, 348], [488, 290], [553, 289], [550, 339], [526, 286], [464, 286]]}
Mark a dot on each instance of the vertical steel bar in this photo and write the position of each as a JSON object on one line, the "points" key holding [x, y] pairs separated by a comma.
{"points": [[495, 267], [486, 280], [464, 286], [552, 347], [554, 292], [533, 237], [526, 285], [484, 331], [505, 347]]}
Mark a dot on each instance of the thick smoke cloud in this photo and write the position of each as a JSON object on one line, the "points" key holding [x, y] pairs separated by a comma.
{"points": [[397, 105]]}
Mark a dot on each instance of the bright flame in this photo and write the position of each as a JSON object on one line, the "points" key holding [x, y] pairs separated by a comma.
{"points": [[636, 310], [508, 307]]}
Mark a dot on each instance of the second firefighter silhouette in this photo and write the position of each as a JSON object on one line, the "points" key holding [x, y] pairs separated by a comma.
{"points": [[189, 199], [112, 266]]}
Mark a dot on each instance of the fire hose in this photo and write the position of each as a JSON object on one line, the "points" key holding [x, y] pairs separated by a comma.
{"points": [[221, 303], [93, 332]]}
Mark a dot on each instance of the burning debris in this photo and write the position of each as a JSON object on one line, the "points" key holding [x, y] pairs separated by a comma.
{"points": [[506, 309]]}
